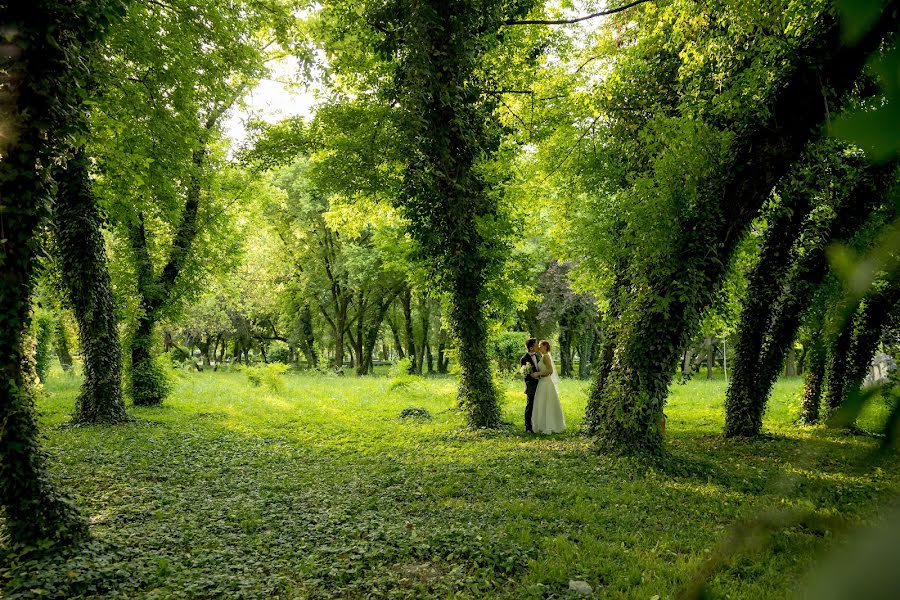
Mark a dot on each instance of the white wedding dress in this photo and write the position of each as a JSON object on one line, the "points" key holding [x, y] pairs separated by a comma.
{"points": [[548, 415]]}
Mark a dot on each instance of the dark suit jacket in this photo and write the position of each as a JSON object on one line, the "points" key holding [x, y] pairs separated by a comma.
{"points": [[531, 382]]}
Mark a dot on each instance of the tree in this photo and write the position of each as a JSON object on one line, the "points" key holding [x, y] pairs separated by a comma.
{"points": [[41, 105], [82, 256], [434, 50], [156, 142]]}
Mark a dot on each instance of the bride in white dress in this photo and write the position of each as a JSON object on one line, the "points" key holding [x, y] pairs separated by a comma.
{"points": [[548, 415]]}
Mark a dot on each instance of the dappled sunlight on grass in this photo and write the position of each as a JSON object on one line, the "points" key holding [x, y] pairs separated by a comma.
{"points": [[319, 489]]}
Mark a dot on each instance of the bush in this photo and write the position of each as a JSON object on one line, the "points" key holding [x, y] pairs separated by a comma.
{"points": [[399, 374], [507, 348], [269, 375], [415, 413], [151, 381]]}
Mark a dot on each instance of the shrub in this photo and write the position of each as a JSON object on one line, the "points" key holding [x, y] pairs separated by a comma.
{"points": [[279, 352], [507, 348], [399, 374], [269, 375], [415, 413]]}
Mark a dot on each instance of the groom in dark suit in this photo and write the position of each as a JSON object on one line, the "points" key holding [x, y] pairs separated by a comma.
{"points": [[533, 358]]}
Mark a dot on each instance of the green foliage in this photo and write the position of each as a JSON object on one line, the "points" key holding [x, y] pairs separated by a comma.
{"points": [[148, 382], [507, 347], [400, 374], [415, 414], [270, 375]]}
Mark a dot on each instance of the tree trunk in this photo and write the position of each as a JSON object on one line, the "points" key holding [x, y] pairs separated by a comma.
{"points": [[395, 333], [82, 255], [686, 369], [710, 356], [476, 392], [855, 346], [406, 301], [307, 337], [425, 321], [442, 344], [815, 375], [42, 107], [61, 345], [594, 410], [565, 346], [790, 364]]}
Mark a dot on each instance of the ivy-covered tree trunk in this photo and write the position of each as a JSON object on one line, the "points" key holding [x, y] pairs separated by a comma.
{"points": [[854, 347], [476, 393], [82, 254], [147, 383], [437, 48], [649, 339], [764, 283], [42, 70], [593, 411], [812, 386], [61, 345]]}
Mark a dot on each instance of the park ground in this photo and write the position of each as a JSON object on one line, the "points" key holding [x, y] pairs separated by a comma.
{"points": [[316, 488]]}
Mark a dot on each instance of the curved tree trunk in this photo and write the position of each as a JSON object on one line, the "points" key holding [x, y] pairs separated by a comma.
{"points": [[61, 345], [82, 254], [812, 387], [781, 311], [855, 346]]}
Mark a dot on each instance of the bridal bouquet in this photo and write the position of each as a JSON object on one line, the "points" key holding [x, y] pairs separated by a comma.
{"points": [[526, 370]]}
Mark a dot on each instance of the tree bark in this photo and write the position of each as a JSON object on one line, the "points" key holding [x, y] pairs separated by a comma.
{"points": [[856, 344], [82, 254], [406, 302], [41, 103]]}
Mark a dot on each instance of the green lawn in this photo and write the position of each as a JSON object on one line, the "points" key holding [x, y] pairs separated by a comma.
{"points": [[319, 490]]}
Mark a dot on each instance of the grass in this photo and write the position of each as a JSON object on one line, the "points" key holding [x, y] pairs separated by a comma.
{"points": [[318, 489]]}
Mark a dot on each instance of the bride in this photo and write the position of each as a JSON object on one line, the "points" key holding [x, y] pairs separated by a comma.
{"points": [[548, 416]]}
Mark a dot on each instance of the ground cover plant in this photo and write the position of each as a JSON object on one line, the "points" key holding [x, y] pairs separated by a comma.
{"points": [[318, 488]]}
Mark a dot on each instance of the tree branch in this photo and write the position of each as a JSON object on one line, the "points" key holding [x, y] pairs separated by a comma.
{"points": [[602, 13]]}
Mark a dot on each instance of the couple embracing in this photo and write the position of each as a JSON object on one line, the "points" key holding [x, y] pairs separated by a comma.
{"points": [[543, 413]]}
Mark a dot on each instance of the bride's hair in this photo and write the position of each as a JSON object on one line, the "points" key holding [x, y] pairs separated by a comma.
{"points": [[545, 343]]}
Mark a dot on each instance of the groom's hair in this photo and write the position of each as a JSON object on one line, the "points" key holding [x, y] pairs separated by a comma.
{"points": [[530, 342]]}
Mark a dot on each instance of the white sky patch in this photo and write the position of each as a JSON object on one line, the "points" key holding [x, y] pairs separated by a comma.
{"points": [[279, 96]]}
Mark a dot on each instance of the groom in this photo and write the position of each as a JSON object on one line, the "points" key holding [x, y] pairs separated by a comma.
{"points": [[533, 358]]}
